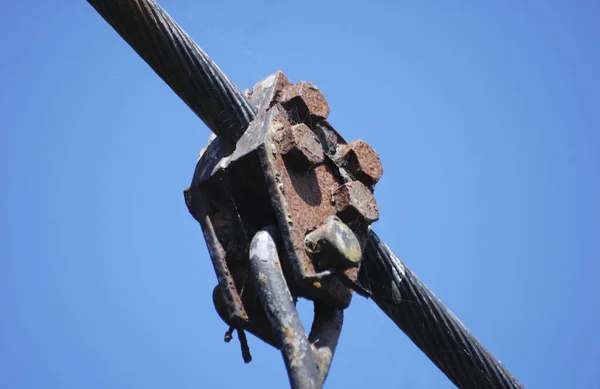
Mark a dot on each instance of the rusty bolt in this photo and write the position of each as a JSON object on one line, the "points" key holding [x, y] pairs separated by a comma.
{"points": [[301, 147], [354, 201], [269, 91], [307, 99], [361, 161]]}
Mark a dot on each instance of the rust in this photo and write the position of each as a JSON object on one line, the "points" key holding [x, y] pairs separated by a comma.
{"points": [[290, 169], [354, 202], [301, 147], [308, 202], [225, 275], [361, 161], [306, 99]]}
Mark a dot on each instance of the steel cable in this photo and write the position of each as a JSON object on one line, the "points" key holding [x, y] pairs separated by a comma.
{"points": [[428, 323], [181, 63]]}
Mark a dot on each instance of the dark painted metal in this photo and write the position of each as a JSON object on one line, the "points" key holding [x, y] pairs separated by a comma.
{"points": [[268, 279]]}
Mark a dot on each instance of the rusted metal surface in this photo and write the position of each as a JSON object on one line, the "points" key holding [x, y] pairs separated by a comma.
{"points": [[198, 206], [355, 203], [307, 197], [299, 146], [290, 169], [307, 99], [359, 158]]}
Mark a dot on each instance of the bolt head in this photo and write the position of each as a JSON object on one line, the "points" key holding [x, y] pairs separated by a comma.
{"points": [[301, 147], [355, 202], [361, 161], [306, 100]]}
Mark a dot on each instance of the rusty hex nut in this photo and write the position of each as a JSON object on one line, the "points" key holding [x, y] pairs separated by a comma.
{"points": [[301, 147], [361, 161], [354, 201], [307, 99]]}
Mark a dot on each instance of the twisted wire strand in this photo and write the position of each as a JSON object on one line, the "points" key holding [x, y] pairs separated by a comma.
{"points": [[181, 63], [429, 323]]}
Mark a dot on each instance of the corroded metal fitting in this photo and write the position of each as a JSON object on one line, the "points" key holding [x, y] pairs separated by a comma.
{"points": [[293, 170], [300, 146], [354, 202], [361, 161]]}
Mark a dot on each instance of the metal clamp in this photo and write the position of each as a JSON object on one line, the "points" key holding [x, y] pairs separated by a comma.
{"points": [[292, 173]]}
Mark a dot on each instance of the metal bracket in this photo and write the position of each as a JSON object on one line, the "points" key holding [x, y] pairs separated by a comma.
{"points": [[290, 169]]}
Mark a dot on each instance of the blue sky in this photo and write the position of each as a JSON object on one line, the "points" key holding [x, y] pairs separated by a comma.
{"points": [[485, 114]]}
